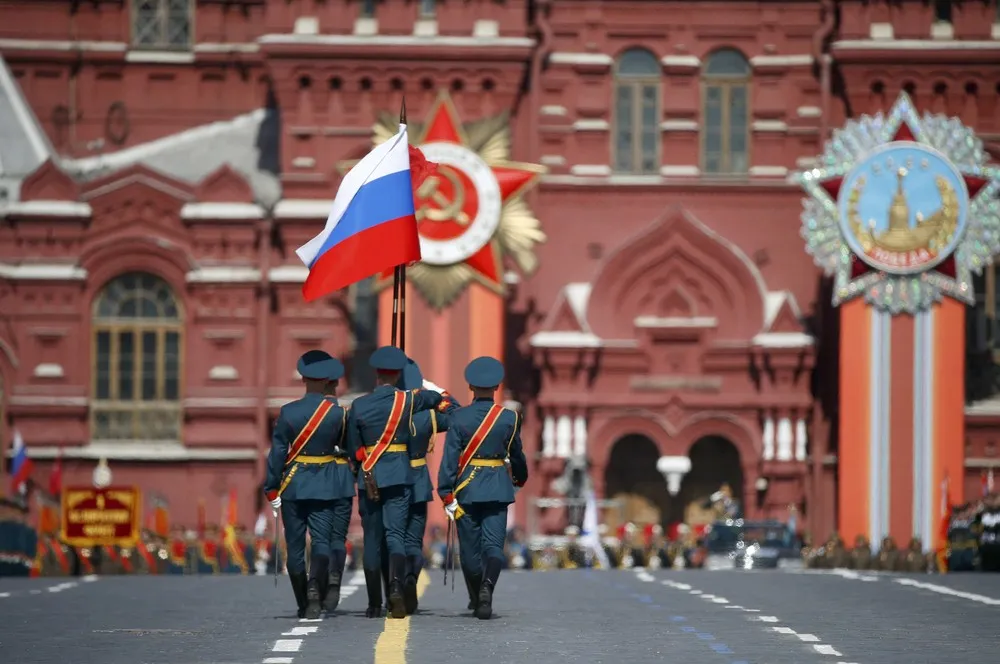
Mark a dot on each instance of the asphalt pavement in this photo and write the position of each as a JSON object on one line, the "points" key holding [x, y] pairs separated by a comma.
{"points": [[584, 616]]}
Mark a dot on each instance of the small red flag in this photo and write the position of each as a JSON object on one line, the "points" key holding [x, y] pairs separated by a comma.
{"points": [[420, 167]]}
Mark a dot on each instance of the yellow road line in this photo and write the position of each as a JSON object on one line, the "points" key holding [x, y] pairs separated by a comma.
{"points": [[391, 645]]}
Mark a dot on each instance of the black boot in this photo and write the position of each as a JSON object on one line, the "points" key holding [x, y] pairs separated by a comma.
{"points": [[320, 580], [374, 586], [336, 576], [410, 584], [300, 583], [397, 568], [472, 583], [385, 574], [484, 610]]}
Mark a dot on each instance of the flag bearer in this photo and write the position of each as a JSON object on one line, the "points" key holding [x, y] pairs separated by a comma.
{"points": [[482, 469]]}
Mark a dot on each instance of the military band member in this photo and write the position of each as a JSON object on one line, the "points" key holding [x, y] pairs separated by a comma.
{"points": [[378, 435], [302, 477], [482, 469], [426, 426]]}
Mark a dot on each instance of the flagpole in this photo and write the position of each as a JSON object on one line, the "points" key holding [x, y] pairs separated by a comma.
{"points": [[399, 281]]}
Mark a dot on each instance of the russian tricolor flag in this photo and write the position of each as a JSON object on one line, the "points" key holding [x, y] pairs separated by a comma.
{"points": [[372, 226], [21, 468]]}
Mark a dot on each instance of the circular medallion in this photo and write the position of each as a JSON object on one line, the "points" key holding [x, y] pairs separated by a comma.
{"points": [[903, 208], [458, 208]]}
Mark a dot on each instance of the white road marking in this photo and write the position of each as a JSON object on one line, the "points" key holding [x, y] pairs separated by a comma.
{"points": [[36, 592], [358, 579], [643, 575], [62, 586], [944, 590], [854, 576], [287, 645], [90, 578], [826, 650], [300, 631], [279, 660], [310, 620], [4, 594], [822, 649]]}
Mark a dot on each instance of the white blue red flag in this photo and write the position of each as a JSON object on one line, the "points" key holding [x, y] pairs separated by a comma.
{"points": [[21, 467], [372, 226]]}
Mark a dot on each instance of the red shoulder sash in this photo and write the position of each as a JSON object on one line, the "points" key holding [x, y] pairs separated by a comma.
{"points": [[391, 426], [308, 430], [479, 436]]}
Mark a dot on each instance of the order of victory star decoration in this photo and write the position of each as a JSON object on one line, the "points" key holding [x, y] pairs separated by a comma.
{"points": [[902, 209], [470, 211]]}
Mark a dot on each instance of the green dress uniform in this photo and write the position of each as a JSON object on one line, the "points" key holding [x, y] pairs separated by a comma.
{"points": [[378, 437], [304, 482], [482, 468], [8, 538], [426, 425]]}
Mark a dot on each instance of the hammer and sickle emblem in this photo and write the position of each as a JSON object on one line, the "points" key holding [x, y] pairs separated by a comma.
{"points": [[448, 209]]}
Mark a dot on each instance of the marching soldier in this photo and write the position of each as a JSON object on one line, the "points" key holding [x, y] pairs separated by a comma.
{"points": [[378, 435], [302, 477], [482, 469], [343, 490], [426, 426]]}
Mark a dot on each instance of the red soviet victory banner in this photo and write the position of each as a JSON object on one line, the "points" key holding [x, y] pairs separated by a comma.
{"points": [[101, 517]]}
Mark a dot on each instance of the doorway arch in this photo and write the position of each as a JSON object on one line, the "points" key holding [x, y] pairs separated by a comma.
{"points": [[715, 461], [631, 477]]}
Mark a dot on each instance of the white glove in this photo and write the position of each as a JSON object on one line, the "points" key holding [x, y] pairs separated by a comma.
{"points": [[428, 385], [451, 509], [276, 505]]}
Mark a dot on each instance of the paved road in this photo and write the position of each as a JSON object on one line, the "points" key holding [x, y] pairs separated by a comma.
{"points": [[591, 617]]}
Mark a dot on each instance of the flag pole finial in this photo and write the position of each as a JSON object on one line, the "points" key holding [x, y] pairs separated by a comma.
{"points": [[402, 111]]}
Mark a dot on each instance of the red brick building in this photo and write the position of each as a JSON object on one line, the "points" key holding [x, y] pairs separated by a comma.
{"points": [[160, 160]]}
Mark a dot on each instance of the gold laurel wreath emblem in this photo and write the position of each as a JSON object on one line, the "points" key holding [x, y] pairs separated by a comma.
{"points": [[519, 230]]}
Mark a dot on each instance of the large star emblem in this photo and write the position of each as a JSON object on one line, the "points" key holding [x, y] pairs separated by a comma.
{"points": [[470, 211], [902, 210]]}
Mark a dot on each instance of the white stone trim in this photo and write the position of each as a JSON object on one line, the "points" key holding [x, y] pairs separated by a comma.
{"points": [[306, 25], [916, 45], [223, 372], [590, 170], [808, 111], [142, 451], [597, 59], [679, 125], [45, 400], [221, 211], [799, 60], [303, 162], [425, 27], [396, 40], [692, 61], [364, 26], [36, 136], [160, 57], [591, 125], [48, 370], [995, 30], [772, 126], [288, 274], [646, 322], [67, 209], [222, 47], [806, 162], [552, 160], [61, 45], [783, 340], [223, 274], [576, 340], [679, 170], [881, 31], [553, 110], [769, 171], [942, 30], [42, 272], [486, 28], [296, 208]]}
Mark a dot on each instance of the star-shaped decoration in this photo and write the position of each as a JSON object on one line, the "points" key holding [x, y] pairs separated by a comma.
{"points": [[471, 211], [974, 213]]}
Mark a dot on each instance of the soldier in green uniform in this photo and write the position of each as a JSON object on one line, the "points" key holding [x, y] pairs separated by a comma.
{"points": [[302, 477], [28, 547], [481, 471], [8, 538], [378, 437], [426, 426]]}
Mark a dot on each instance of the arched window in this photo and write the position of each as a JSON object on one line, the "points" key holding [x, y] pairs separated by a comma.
{"points": [[637, 112], [137, 330], [725, 136]]}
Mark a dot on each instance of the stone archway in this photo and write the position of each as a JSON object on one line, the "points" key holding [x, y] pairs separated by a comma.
{"points": [[631, 477], [715, 461]]}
